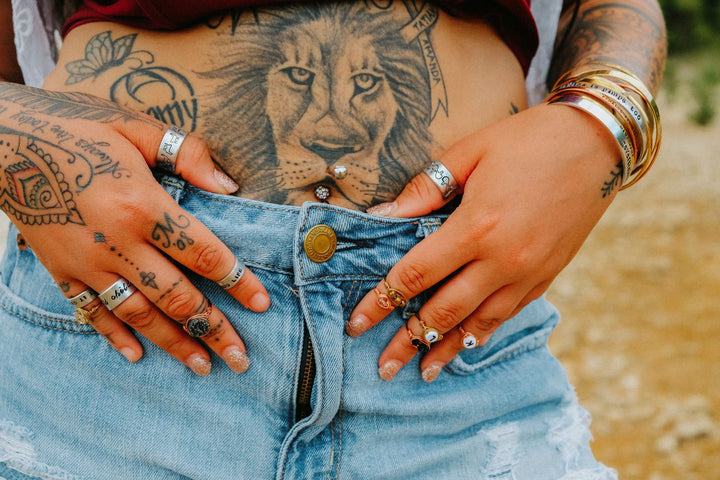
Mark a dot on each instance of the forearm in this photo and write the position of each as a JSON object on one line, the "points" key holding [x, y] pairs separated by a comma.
{"points": [[628, 33]]}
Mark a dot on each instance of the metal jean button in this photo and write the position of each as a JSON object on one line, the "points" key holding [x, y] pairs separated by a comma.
{"points": [[320, 243]]}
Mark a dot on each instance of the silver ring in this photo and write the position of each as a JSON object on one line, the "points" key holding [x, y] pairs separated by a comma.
{"points": [[116, 293], [442, 177], [229, 280], [83, 298], [169, 148]]}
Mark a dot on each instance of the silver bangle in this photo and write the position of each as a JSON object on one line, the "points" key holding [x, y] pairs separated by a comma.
{"points": [[83, 298], [606, 118], [229, 280], [116, 293]]}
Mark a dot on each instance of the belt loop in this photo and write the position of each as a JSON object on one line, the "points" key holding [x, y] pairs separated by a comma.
{"points": [[174, 186], [428, 225]]}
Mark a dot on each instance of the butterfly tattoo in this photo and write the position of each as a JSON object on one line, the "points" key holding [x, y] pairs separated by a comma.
{"points": [[101, 54]]}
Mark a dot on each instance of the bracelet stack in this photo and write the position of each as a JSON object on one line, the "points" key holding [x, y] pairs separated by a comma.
{"points": [[621, 102]]}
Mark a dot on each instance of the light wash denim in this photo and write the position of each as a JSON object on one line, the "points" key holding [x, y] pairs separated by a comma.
{"points": [[71, 407]]}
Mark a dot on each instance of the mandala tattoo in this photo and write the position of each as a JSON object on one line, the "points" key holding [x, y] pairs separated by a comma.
{"points": [[32, 187]]}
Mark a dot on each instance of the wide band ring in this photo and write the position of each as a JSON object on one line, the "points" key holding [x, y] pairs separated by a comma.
{"points": [[83, 298], [468, 339], [198, 325], [442, 177], [237, 272], [116, 293], [169, 147]]}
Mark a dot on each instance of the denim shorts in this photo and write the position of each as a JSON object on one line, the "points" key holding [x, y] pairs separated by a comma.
{"points": [[71, 407]]}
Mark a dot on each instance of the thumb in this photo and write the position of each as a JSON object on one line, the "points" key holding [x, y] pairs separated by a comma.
{"points": [[428, 191], [193, 162]]}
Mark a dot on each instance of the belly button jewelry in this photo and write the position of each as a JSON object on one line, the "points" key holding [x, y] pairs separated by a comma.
{"points": [[339, 172], [322, 193]]}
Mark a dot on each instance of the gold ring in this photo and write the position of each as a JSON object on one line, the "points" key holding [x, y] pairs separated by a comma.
{"points": [[468, 340], [395, 296], [83, 316], [430, 334], [418, 341], [383, 300]]}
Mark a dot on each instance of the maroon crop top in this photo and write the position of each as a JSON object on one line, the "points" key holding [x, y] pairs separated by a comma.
{"points": [[511, 18]]}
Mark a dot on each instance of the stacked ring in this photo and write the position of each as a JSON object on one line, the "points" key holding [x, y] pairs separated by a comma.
{"points": [[423, 341], [83, 316], [83, 298], [116, 293], [396, 297], [198, 325], [169, 148], [383, 300], [229, 280]]}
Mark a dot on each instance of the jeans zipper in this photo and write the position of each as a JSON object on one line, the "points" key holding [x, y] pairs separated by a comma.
{"points": [[306, 378]]}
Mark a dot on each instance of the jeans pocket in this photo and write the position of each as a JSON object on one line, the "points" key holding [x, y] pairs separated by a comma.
{"points": [[29, 293]]}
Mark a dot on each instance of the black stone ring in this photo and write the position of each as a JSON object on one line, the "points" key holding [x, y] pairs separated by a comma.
{"points": [[198, 325]]}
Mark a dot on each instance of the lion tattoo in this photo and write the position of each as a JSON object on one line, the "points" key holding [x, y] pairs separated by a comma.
{"points": [[310, 88]]}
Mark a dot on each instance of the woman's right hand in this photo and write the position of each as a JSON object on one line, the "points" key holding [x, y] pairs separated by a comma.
{"points": [[76, 182]]}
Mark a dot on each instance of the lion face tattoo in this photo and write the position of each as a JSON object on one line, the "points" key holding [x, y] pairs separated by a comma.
{"points": [[328, 85]]}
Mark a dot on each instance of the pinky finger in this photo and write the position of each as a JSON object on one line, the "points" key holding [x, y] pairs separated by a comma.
{"points": [[114, 331]]}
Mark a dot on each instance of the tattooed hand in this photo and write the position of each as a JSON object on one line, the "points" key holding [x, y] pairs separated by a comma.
{"points": [[75, 169], [524, 214]]}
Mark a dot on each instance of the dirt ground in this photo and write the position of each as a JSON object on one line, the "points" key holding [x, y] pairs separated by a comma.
{"points": [[640, 335]]}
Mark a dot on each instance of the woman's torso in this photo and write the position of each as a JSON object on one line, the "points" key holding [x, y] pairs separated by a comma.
{"points": [[351, 96]]}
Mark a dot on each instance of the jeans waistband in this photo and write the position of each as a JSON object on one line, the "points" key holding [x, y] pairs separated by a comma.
{"points": [[271, 236]]}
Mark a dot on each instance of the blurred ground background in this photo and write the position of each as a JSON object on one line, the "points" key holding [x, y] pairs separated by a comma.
{"points": [[640, 335]]}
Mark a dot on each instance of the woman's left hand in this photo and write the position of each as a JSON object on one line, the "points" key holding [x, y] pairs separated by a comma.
{"points": [[534, 185]]}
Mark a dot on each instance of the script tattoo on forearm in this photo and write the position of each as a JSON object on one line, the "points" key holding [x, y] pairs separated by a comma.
{"points": [[320, 85], [138, 88], [171, 232], [628, 33]]}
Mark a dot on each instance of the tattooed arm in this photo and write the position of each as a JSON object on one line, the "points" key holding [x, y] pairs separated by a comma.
{"points": [[629, 33], [535, 185]]}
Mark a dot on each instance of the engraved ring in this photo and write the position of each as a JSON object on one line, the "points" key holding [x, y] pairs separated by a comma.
{"points": [[116, 293], [229, 280], [169, 148], [442, 177], [83, 298]]}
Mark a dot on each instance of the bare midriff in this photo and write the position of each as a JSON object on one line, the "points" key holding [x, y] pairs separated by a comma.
{"points": [[352, 97]]}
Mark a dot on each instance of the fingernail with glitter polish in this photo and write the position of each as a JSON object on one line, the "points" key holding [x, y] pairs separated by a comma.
{"points": [[357, 325], [236, 359], [226, 182], [198, 364], [382, 210], [389, 369], [431, 372]]}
